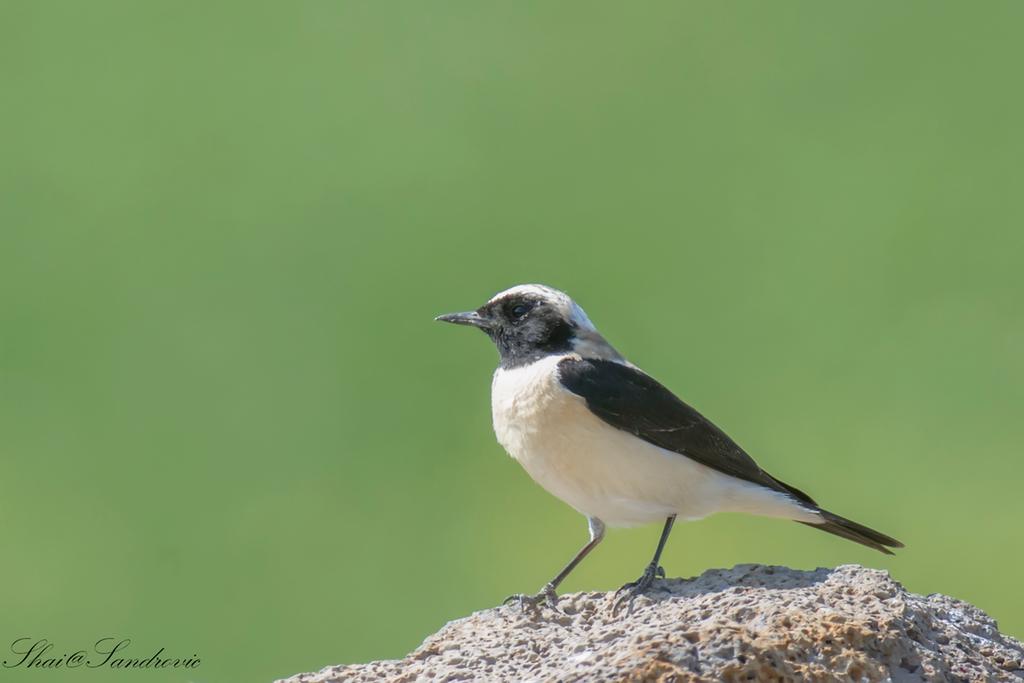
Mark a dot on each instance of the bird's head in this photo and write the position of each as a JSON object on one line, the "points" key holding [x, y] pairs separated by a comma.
{"points": [[530, 322]]}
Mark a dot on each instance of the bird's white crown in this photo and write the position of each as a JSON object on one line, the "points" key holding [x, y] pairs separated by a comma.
{"points": [[561, 301]]}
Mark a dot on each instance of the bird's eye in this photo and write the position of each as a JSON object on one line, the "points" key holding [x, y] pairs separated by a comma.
{"points": [[519, 310]]}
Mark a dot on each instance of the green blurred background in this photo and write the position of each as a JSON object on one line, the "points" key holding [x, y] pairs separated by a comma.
{"points": [[229, 427]]}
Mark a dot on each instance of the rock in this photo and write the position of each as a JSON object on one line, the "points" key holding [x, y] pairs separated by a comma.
{"points": [[747, 623]]}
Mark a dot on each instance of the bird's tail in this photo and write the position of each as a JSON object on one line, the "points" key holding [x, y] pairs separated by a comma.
{"points": [[850, 530], [840, 526]]}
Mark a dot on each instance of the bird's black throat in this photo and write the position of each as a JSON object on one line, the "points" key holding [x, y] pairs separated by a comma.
{"points": [[542, 334]]}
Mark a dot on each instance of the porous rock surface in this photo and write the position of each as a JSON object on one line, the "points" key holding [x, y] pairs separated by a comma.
{"points": [[747, 623]]}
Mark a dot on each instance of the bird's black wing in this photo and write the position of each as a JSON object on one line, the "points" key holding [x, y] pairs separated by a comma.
{"points": [[630, 400]]}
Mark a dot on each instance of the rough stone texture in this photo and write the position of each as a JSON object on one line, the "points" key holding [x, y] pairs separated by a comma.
{"points": [[746, 623]]}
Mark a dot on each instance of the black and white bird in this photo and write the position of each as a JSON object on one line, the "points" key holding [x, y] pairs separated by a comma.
{"points": [[600, 434]]}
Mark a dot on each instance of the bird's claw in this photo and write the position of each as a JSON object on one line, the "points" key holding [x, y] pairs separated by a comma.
{"points": [[629, 592], [546, 596]]}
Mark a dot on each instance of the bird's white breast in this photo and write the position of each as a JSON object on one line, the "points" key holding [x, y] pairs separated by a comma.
{"points": [[605, 472]]}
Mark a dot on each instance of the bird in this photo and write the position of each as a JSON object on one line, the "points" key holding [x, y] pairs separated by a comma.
{"points": [[599, 433]]}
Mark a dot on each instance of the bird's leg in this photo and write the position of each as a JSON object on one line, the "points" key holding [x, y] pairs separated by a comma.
{"points": [[547, 593], [653, 570]]}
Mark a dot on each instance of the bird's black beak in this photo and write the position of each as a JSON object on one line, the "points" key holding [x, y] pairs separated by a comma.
{"points": [[468, 318]]}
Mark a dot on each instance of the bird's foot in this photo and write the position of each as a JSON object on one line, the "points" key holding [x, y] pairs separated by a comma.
{"points": [[628, 593], [546, 596]]}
